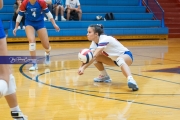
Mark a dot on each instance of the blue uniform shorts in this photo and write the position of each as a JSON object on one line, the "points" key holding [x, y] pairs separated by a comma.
{"points": [[36, 24], [2, 33], [127, 53]]}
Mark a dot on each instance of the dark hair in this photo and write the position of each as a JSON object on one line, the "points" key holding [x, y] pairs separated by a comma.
{"points": [[16, 2], [98, 28]]}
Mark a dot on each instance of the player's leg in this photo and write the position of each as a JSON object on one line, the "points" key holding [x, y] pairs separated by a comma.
{"points": [[103, 77], [43, 35], [30, 32], [11, 99], [4, 68], [124, 61]]}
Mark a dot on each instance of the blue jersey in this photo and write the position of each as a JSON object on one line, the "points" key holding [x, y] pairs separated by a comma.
{"points": [[33, 12]]}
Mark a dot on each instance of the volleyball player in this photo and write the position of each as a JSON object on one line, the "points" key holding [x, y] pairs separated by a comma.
{"points": [[108, 50], [7, 80], [34, 21]]}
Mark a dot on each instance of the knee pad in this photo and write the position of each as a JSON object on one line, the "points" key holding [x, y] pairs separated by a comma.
{"points": [[12, 85], [3, 88], [32, 46], [120, 61], [48, 50]]}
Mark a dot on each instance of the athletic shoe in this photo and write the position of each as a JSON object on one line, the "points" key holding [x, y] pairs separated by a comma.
{"points": [[101, 78], [56, 18], [23, 27], [19, 27], [63, 19], [33, 67], [47, 59], [132, 84], [18, 115], [45, 19]]}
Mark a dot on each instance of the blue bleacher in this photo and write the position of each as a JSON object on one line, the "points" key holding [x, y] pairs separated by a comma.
{"points": [[110, 2], [130, 19]]}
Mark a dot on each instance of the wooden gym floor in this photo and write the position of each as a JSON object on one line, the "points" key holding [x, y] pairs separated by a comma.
{"points": [[58, 93]]}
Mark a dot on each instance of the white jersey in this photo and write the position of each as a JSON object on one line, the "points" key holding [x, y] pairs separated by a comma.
{"points": [[72, 3], [112, 47]]}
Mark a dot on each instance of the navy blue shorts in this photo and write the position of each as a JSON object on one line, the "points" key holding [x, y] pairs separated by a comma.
{"points": [[36, 24], [2, 33]]}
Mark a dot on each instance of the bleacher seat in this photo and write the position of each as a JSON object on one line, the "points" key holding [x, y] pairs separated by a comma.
{"points": [[130, 19]]}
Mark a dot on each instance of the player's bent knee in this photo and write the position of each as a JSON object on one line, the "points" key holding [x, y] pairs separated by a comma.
{"points": [[32, 46], [12, 85], [3, 88], [120, 61]]}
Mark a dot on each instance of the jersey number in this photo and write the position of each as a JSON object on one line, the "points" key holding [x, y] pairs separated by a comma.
{"points": [[34, 14]]}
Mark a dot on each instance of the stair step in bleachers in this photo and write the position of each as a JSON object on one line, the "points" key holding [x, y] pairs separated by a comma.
{"points": [[108, 31], [7, 9], [110, 2], [130, 19], [109, 24], [92, 16], [114, 9]]}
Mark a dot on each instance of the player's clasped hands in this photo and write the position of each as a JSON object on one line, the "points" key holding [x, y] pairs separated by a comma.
{"points": [[81, 70]]}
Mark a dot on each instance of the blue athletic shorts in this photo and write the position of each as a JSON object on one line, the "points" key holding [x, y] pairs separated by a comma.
{"points": [[36, 24], [2, 33], [128, 53]]}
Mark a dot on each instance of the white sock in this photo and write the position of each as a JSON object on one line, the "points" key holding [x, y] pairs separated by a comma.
{"points": [[129, 77], [56, 17], [15, 108], [62, 16], [103, 73]]}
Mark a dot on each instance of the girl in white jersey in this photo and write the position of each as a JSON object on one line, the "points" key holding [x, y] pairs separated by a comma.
{"points": [[109, 51]]}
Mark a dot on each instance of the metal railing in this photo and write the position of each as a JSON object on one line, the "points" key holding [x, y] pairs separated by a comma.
{"points": [[154, 7]]}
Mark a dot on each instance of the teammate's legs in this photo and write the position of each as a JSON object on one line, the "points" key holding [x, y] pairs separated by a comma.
{"points": [[11, 99], [30, 32], [43, 35], [4, 68]]}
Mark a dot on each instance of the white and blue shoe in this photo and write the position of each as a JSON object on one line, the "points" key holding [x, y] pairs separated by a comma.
{"points": [[33, 67], [132, 84], [18, 115], [101, 78], [47, 59]]}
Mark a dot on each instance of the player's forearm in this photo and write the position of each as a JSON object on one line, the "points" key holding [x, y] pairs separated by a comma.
{"points": [[17, 24], [53, 21]]}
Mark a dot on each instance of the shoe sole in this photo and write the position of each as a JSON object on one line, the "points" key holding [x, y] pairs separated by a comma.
{"points": [[106, 81], [133, 86], [33, 70]]}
